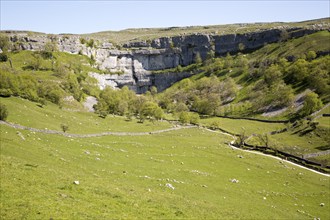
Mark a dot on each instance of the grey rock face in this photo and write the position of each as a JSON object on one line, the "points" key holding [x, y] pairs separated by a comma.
{"points": [[136, 65]]}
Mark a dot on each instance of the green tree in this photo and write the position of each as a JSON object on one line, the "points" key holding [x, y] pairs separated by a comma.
{"points": [[184, 117], [312, 103], [151, 110], [298, 70], [272, 75], [3, 112], [319, 80]]}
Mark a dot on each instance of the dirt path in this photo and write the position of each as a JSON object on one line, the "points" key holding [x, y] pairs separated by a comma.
{"points": [[22, 127]]}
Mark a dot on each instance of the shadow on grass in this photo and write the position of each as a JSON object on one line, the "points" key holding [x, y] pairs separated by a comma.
{"points": [[323, 148]]}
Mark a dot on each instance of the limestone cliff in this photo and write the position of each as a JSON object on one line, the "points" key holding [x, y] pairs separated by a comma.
{"points": [[136, 60]]}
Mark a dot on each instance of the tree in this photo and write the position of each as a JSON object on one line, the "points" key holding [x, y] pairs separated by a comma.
{"points": [[184, 118], [241, 138], [188, 117], [3, 112], [194, 118], [319, 80], [311, 104], [264, 139], [151, 110], [298, 70], [272, 75]]}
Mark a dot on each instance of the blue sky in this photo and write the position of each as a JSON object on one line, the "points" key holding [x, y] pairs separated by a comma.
{"points": [[59, 16]]}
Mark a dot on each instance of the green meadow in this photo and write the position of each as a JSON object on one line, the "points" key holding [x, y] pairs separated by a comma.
{"points": [[184, 174]]}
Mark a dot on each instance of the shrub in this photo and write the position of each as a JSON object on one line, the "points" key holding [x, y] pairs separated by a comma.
{"points": [[82, 40], [90, 43], [5, 93], [3, 57], [189, 117], [64, 127], [3, 112]]}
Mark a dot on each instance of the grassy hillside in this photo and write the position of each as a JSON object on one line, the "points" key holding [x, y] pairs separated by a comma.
{"points": [[129, 177], [254, 83], [79, 122]]}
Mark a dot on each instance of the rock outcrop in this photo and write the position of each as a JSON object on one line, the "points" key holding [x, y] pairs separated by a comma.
{"points": [[135, 61]]}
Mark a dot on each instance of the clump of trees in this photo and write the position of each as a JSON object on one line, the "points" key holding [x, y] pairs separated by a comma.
{"points": [[126, 103], [17, 82], [203, 96]]}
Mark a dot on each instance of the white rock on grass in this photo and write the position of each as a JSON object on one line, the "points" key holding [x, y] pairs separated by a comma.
{"points": [[234, 181], [169, 185], [76, 182]]}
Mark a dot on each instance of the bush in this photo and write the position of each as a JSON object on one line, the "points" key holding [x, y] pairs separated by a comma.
{"points": [[189, 117], [64, 127], [3, 112], [3, 57], [82, 40], [5, 93], [90, 43]]}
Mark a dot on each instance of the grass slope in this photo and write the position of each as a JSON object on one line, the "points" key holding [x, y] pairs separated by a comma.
{"points": [[126, 177], [51, 117]]}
